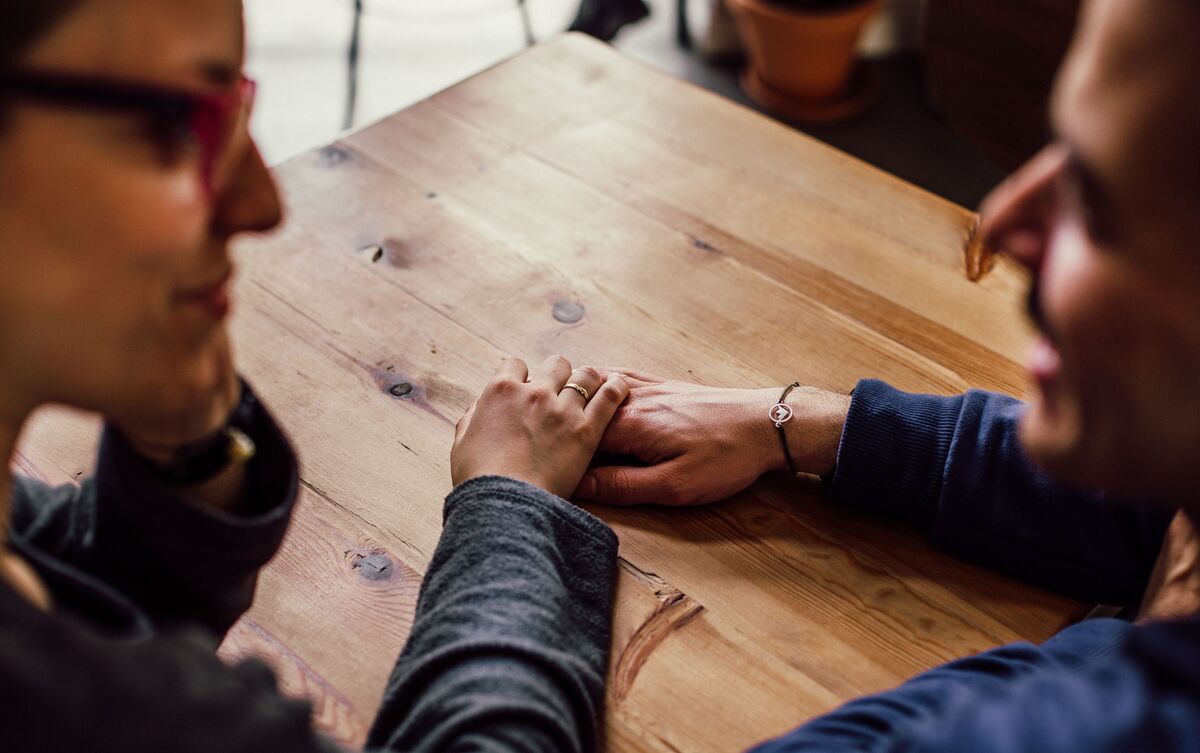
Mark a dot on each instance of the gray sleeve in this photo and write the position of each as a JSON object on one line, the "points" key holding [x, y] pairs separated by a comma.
{"points": [[509, 648]]}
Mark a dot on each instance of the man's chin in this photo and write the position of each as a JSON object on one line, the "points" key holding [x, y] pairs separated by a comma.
{"points": [[1055, 442], [1051, 445]]}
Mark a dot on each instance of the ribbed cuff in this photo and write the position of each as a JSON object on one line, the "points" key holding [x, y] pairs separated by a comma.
{"points": [[893, 451], [535, 500]]}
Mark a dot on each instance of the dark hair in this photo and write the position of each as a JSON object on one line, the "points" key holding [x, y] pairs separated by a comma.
{"points": [[23, 25], [20, 28]]}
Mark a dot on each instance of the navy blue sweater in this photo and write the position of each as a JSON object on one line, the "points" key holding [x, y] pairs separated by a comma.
{"points": [[953, 466]]}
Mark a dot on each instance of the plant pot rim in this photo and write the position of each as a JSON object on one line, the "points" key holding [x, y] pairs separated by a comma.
{"points": [[766, 8], [864, 86]]}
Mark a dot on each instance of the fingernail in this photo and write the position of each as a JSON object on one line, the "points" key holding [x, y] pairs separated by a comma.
{"points": [[587, 487]]}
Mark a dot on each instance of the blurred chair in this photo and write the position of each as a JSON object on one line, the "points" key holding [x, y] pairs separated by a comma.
{"points": [[602, 19], [355, 37]]}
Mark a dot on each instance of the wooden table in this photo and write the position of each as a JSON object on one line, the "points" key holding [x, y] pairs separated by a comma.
{"points": [[572, 201]]}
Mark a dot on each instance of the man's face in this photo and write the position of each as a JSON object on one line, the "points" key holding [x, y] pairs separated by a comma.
{"points": [[1106, 218]]}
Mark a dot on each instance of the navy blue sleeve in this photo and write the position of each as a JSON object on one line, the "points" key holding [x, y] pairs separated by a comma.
{"points": [[954, 467], [1093, 687]]}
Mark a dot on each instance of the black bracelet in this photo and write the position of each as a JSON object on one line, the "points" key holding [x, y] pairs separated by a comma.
{"points": [[781, 413]]}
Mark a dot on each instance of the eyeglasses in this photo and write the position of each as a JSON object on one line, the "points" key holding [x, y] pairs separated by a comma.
{"points": [[210, 121]]}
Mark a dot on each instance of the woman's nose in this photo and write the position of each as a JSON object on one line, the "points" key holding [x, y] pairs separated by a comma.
{"points": [[1017, 215], [249, 202]]}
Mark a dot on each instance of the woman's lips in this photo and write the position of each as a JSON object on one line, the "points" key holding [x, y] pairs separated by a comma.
{"points": [[212, 299], [216, 303]]}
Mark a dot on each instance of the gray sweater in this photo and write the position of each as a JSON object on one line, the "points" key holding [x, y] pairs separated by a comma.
{"points": [[507, 653]]}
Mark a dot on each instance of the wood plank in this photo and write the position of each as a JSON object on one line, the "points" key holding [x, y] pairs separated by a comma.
{"points": [[333, 714], [571, 201]]}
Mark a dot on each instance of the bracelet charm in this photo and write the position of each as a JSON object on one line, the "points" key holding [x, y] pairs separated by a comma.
{"points": [[781, 413]]}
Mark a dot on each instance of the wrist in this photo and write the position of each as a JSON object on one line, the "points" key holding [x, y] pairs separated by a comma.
{"points": [[814, 432], [760, 428]]}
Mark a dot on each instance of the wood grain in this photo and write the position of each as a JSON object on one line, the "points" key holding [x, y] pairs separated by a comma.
{"points": [[571, 201]]}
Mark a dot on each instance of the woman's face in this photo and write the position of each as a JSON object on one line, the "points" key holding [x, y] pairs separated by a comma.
{"points": [[114, 252]]}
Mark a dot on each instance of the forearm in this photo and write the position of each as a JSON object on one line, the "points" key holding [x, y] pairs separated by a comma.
{"points": [[954, 466], [814, 431], [1011, 698], [509, 647]]}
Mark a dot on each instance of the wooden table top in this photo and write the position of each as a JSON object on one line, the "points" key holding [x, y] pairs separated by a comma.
{"points": [[573, 201]]}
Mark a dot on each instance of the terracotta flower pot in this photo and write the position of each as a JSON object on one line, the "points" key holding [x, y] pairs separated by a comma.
{"points": [[804, 55]]}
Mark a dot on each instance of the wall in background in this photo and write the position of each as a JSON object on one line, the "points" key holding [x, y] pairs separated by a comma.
{"points": [[410, 49]]}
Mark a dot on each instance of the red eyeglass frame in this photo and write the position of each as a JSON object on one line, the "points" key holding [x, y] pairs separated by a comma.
{"points": [[213, 118]]}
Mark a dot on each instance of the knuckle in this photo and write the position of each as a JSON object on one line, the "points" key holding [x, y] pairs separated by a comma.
{"points": [[556, 424], [589, 374], [611, 392], [502, 386], [559, 360]]}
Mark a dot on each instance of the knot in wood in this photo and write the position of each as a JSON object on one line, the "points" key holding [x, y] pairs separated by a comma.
{"points": [[374, 567], [402, 389], [332, 156], [568, 312]]}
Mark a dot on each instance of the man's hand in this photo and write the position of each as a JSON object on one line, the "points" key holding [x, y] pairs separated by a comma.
{"points": [[1174, 587], [698, 444], [537, 431]]}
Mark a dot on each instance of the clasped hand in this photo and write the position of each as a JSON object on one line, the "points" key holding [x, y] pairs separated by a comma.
{"points": [[681, 443], [532, 427]]}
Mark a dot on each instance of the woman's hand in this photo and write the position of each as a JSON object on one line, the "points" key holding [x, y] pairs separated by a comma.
{"points": [[698, 444], [539, 431], [1174, 587]]}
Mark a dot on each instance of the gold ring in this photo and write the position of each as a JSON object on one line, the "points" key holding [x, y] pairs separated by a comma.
{"points": [[577, 388]]}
